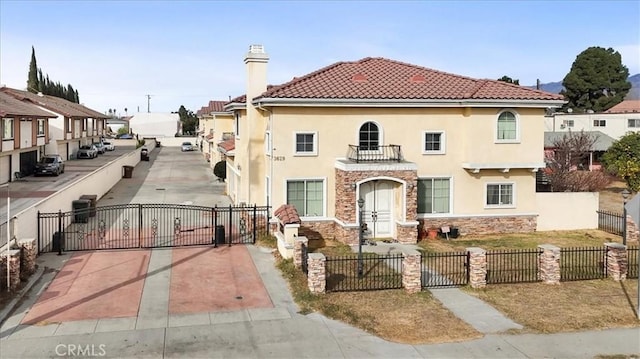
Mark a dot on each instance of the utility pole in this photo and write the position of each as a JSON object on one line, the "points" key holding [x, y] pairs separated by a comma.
{"points": [[148, 103]]}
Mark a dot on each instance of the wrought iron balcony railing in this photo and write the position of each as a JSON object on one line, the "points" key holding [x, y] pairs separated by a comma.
{"points": [[388, 153]]}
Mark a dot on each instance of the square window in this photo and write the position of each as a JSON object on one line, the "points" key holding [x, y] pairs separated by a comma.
{"points": [[306, 144], [499, 195], [307, 196], [433, 143]]}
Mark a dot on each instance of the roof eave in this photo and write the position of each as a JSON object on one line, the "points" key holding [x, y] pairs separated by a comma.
{"points": [[317, 102], [235, 106]]}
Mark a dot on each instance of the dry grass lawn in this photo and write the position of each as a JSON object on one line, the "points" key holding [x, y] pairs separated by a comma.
{"points": [[611, 197]]}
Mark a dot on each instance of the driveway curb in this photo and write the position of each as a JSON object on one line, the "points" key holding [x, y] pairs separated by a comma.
{"points": [[13, 303]]}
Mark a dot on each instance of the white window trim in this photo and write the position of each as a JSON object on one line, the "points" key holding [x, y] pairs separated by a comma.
{"points": [[443, 143], [513, 193], [44, 124], [495, 127], [442, 214], [315, 143], [380, 135], [636, 122], [13, 127], [324, 194], [597, 123], [236, 124], [267, 143]]}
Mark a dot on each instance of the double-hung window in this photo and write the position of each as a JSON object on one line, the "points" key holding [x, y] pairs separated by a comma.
{"points": [[433, 142], [500, 195], [507, 127], [306, 143], [307, 196], [434, 195], [633, 123], [7, 128], [41, 123]]}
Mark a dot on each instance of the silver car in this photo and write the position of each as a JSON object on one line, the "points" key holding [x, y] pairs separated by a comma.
{"points": [[87, 151], [187, 146]]}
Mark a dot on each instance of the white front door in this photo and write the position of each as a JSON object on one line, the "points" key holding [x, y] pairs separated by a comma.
{"points": [[378, 208]]}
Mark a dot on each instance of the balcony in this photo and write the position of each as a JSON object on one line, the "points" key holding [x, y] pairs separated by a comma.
{"points": [[388, 153]]}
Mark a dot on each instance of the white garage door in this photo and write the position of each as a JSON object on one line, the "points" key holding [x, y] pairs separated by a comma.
{"points": [[62, 150], [5, 169]]}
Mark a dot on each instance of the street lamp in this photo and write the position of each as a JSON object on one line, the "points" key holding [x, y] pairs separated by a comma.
{"points": [[361, 228], [625, 196]]}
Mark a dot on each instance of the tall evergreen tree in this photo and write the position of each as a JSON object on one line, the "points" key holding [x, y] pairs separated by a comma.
{"points": [[597, 80], [32, 80]]}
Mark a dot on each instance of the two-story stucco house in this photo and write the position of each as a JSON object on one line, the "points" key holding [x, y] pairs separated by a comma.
{"points": [[73, 125], [215, 126], [25, 131], [615, 122], [421, 148]]}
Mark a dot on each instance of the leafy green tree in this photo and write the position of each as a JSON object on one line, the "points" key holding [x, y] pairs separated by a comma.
{"points": [[188, 119], [509, 80], [597, 80], [623, 159], [32, 80]]}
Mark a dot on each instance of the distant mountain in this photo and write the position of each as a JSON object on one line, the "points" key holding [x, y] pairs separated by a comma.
{"points": [[634, 93]]}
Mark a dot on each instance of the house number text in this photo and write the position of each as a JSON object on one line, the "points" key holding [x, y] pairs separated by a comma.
{"points": [[278, 158]]}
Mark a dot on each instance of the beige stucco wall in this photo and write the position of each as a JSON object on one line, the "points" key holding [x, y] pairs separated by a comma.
{"points": [[567, 210], [468, 138]]}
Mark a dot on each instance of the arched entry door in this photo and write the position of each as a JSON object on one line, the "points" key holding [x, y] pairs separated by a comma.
{"points": [[378, 208]]}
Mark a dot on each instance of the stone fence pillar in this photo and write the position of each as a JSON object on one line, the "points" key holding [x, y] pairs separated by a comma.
{"points": [[477, 267], [632, 230], [14, 269], [317, 273], [616, 260], [412, 271], [300, 245], [28, 252], [549, 264]]}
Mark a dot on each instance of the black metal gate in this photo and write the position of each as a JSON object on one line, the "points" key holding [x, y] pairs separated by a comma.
{"points": [[149, 226]]}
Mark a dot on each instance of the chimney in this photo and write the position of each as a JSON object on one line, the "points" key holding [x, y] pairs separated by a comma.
{"points": [[256, 64]]}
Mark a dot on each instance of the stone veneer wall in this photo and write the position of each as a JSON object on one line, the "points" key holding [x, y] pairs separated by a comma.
{"points": [[318, 230], [484, 225], [617, 261], [632, 230], [14, 269], [28, 252]]}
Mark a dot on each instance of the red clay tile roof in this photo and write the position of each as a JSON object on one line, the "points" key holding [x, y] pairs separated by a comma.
{"points": [[626, 106], [380, 78], [213, 106], [228, 145], [10, 106], [55, 104], [287, 214]]}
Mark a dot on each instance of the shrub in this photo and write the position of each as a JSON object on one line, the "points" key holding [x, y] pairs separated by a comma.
{"points": [[220, 170]]}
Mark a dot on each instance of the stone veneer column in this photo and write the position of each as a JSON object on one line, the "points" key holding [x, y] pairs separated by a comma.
{"points": [[300, 245], [616, 261], [14, 269], [28, 252], [477, 267], [549, 264], [412, 271], [632, 230], [317, 273]]}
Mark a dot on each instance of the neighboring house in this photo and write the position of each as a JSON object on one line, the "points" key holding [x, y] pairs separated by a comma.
{"points": [[419, 146], [600, 146], [73, 126], [25, 132], [115, 124], [216, 125], [615, 122], [155, 124]]}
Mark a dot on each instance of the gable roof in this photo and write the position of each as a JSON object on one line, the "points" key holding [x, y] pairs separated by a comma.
{"points": [[54, 104], [10, 106], [626, 106], [383, 81], [602, 142], [212, 107]]}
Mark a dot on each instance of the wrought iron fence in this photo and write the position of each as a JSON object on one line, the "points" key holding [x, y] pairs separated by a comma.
{"points": [[387, 153], [379, 272], [611, 222], [512, 266], [445, 269], [632, 262], [583, 263], [149, 225]]}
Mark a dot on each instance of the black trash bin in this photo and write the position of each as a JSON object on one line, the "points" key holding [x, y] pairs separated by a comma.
{"points": [[220, 235], [58, 242], [127, 171], [455, 232], [93, 199], [81, 210]]}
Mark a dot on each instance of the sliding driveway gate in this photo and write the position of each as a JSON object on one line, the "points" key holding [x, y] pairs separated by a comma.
{"points": [[149, 226]]}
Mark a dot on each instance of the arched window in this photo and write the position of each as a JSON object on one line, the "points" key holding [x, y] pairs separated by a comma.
{"points": [[507, 126], [369, 137]]}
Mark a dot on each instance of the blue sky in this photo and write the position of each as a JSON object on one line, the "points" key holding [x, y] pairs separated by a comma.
{"points": [[189, 52]]}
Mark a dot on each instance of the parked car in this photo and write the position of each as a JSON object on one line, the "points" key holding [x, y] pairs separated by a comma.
{"points": [[100, 147], [87, 151], [50, 165], [187, 146], [125, 136], [109, 146]]}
